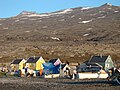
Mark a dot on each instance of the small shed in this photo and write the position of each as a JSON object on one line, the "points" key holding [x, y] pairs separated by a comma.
{"points": [[18, 64], [64, 70], [35, 63]]}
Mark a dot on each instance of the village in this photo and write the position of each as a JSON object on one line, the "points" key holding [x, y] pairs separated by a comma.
{"points": [[36, 66]]}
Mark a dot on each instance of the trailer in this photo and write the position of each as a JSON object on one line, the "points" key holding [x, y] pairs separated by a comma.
{"points": [[114, 74]]}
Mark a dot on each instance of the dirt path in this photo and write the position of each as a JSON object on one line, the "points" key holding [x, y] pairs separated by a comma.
{"points": [[55, 84]]}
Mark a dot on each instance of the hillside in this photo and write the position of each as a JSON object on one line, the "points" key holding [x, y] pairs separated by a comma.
{"points": [[72, 34]]}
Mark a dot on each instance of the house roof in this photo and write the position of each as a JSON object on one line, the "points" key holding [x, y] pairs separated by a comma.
{"points": [[93, 65], [17, 61], [53, 60], [98, 59], [32, 60], [63, 65]]}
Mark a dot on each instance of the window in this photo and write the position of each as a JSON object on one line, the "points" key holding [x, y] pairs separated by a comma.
{"points": [[107, 65]]}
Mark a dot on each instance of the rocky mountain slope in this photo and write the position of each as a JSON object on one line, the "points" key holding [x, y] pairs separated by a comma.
{"points": [[72, 34]]}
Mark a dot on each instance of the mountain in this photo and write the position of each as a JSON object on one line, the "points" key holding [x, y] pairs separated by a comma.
{"points": [[71, 34]]}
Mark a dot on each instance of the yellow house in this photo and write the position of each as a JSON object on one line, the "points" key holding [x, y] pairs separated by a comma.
{"points": [[18, 64], [35, 63]]}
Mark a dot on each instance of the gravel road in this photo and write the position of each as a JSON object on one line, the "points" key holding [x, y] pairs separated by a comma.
{"points": [[15, 83]]}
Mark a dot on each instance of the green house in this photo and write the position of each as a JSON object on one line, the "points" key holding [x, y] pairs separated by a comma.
{"points": [[104, 62]]}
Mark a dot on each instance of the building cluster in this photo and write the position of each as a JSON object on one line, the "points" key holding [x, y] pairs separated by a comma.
{"points": [[37, 66]]}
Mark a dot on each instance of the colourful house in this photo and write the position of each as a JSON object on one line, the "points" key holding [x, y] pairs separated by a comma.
{"points": [[105, 62], [35, 63], [18, 64]]}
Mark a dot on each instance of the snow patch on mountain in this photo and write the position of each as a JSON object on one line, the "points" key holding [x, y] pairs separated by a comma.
{"points": [[85, 8], [32, 19], [27, 31], [62, 20], [89, 29], [17, 20], [44, 26], [102, 17], [72, 16], [39, 21], [116, 11], [5, 28], [86, 34], [65, 11], [47, 14], [55, 38], [86, 21]]}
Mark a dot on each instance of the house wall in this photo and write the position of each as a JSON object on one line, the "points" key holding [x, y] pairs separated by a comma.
{"points": [[21, 65], [109, 63], [91, 75], [52, 76], [31, 65], [14, 67], [39, 65], [62, 71]]}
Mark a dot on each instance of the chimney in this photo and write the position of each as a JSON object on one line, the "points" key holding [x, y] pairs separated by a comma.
{"points": [[101, 55]]}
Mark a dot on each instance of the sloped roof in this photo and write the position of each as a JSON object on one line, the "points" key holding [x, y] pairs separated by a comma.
{"points": [[98, 59], [17, 61], [53, 60], [93, 65], [63, 65], [32, 60]]}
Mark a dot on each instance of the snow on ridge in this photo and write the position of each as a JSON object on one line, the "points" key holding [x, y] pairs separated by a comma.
{"points": [[48, 14], [0, 24], [85, 8], [108, 4], [26, 13], [38, 15], [65, 11]]}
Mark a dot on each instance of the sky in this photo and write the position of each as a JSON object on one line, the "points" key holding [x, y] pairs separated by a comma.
{"points": [[9, 8]]}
